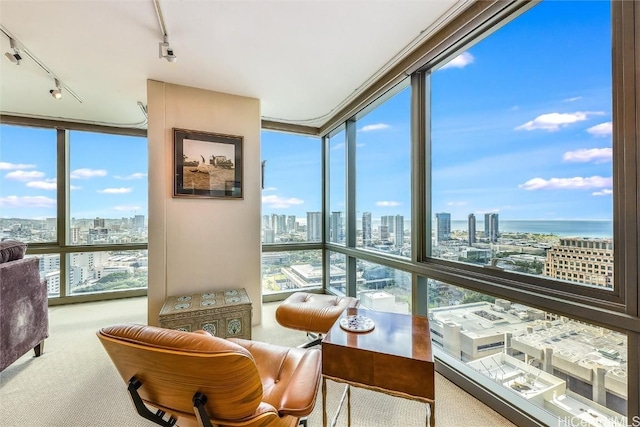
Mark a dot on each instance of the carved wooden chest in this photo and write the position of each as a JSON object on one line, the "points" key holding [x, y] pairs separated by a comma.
{"points": [[223, 313]]}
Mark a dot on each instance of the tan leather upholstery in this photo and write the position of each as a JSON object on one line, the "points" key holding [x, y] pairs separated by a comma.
{"points": [[246, 383], [312, 312]]}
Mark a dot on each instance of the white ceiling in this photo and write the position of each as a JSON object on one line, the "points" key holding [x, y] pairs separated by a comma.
{"points": [[303, 59]]}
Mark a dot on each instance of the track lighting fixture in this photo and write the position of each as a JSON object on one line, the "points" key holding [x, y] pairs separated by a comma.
{"points": [[57, 92], [166, 51], [15, 55]]}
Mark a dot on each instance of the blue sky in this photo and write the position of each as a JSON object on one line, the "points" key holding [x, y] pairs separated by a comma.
{"points": [[521, 125], [108, 174]]}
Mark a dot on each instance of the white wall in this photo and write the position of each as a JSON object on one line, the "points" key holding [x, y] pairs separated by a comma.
{"points": [[197, 244]]}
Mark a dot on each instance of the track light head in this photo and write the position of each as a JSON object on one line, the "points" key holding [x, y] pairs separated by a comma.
{"points": [[14, 57], [166, 51], [170, 56], [57, 92]]}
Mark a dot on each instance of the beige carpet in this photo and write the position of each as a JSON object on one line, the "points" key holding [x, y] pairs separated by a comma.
{"points": [[74, 383]]}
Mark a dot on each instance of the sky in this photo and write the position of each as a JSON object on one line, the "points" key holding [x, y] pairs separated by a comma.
{"points": [[108, 174], [520, 126]]}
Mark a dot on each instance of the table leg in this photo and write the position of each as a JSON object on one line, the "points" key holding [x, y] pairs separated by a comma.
{"points": [[324, 402], [348, 405], [430, 416]]}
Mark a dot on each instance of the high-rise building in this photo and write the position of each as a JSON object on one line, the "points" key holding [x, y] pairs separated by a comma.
{"points": [[472, 229], [336, 232], [98, 222], [266, 223], [51, 224], [314, 226], [398, 226], [138, 222], [491, 226], [366, 229], [291, 223], [388, 221], [443, 227], [582, 260], [269, 236], [384, 233]]}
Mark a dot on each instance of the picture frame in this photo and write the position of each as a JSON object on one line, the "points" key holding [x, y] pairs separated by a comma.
{"points": [[207, 165]]}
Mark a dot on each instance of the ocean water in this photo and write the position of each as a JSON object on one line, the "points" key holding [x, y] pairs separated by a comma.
{"points": [[582, 228]]}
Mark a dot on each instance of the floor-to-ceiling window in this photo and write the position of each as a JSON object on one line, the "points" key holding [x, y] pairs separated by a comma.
{"points": [[369, 194], [79, 199], [526, 193], [521, 175], [291, 212]]}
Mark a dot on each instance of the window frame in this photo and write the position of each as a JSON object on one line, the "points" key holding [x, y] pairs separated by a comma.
{"points": [[60, 246]]}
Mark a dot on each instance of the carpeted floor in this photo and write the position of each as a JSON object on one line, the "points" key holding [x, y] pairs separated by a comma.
{"points": [[74, 383]]}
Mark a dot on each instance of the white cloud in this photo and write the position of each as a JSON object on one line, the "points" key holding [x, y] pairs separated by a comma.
{"points": [[602, 130], [75, 187], [575, 98], [121, 190], [126, 208], [85, 173], [387, 203], [27, 202], [278, 202], [575, 183], [20, 175], [554, 121], [338, 146], [47, 184], [137, 175], [587, 155], [457, 204], [13, 166], [605, 192], [270, 189], [459, 61], [376, 126]]}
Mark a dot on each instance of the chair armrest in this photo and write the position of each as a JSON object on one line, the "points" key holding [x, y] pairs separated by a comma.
{"points": [[290, 376], [299, 397]]}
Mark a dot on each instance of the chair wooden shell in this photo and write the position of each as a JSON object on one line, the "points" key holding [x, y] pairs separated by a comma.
{"points": [[246, 383]]}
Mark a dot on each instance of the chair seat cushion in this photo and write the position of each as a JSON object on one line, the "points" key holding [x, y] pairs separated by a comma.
{"points": [[312, 312]]}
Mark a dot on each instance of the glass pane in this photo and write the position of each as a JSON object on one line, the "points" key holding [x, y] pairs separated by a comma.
{"points": [[292, 193], [107, 271], [338, 280], [28, 184], [383, 288], [50, 271], [108, 201], [337, 182], [571, 371], [383, 142], [522, 147], [292, 270]]}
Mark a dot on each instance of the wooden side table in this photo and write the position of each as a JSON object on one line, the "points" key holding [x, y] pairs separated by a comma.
{"points": [[223, 313], [394, 358]]}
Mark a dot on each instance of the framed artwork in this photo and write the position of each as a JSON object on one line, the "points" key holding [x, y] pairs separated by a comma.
{"points": [[207, 165]]}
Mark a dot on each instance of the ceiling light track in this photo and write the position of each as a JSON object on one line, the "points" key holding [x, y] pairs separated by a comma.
{"points": [[164, 48], [20, 49]]}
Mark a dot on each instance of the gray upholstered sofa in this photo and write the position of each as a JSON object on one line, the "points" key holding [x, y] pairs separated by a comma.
{"points": [[24, 321]]}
